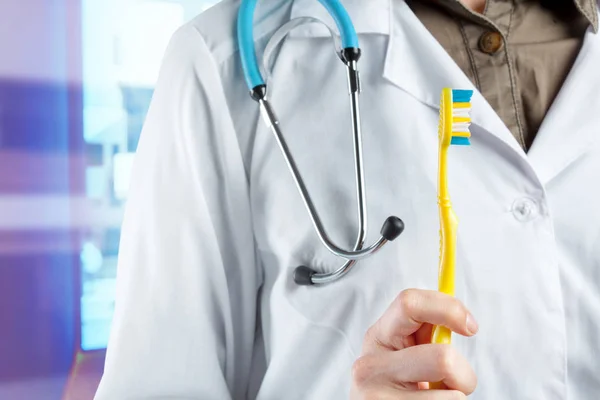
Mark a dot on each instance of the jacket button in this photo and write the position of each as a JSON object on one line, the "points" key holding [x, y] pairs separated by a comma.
{"points": [[525, 209], [491, 42]]}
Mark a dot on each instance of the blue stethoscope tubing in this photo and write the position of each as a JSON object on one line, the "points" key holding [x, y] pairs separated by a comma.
{"points": [[245, 36], [350, 54]]}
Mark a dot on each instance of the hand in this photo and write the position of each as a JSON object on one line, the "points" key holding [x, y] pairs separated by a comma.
{"points": [[398, 358]]}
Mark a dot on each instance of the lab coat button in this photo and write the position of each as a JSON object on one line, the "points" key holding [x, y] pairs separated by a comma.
{"points": [[525, 209]]}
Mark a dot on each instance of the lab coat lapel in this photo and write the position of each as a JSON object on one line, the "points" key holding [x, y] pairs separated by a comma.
{"points": [[572, 125], [415, 62], [419, 65]]}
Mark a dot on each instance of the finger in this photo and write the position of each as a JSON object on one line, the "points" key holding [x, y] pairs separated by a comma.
{"points": [[410, 310], [433, 395], [378, 392], [425, 363], [388, 393], [423, 334]]}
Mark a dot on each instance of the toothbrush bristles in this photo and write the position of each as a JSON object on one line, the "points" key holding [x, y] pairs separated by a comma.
{"points": [[461, 118]]}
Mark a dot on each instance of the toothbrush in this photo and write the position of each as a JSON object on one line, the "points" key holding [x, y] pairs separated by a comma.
{"points": [[455, 106]]}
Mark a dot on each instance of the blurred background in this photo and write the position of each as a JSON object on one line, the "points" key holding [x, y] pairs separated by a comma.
{"points": [[76, 78]]}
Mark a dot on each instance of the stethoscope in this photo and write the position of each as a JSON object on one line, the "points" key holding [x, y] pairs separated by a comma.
{"points": [[349, 54]]}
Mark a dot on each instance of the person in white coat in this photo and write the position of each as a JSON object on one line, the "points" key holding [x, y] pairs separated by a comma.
{"points": [[214, 228]]}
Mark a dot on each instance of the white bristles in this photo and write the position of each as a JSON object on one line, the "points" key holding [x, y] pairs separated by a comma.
{"points": [[461, 127], [461, 112]]}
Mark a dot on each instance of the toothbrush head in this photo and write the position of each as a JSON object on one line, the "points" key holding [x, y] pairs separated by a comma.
{"points": [[455, 108]]}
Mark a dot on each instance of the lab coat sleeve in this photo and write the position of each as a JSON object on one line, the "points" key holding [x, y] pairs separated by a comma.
{"points": [[187, 280]]}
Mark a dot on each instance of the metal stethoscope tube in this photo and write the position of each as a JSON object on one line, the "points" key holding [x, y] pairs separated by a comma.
{"points": [[392, 227]]}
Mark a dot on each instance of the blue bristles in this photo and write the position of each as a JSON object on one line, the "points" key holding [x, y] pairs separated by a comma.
{"points": [[460, 141], [461, 96]]}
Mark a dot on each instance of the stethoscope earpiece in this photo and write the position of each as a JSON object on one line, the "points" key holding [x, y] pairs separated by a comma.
{"points": [[392, 228], [303, 275]]}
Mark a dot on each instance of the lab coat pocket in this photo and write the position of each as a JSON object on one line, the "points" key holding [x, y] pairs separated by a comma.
{"points": [[348, 306], [353, 303]]}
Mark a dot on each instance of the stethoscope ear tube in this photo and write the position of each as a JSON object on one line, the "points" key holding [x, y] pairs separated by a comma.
{"points": [[344, 23], [245, 38]]}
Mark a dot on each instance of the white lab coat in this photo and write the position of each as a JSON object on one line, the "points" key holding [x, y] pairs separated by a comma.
{"points": [[206, 306]]}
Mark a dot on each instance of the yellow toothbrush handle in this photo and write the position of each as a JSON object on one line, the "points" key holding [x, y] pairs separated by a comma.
{"points": [[452, 130], [449, 224], [441, 335]]}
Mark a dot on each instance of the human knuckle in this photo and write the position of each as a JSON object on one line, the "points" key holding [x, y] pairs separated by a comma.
{"points": [[408, 301], [371, 333], [447, 360], [362, 370]]}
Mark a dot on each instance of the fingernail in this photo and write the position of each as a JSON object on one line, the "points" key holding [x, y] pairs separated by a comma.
{"points": [[472, 325]]}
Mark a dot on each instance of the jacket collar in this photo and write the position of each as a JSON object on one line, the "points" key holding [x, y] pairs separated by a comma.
{"points": [[589, 9], [409, 44], [419, 65]]}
